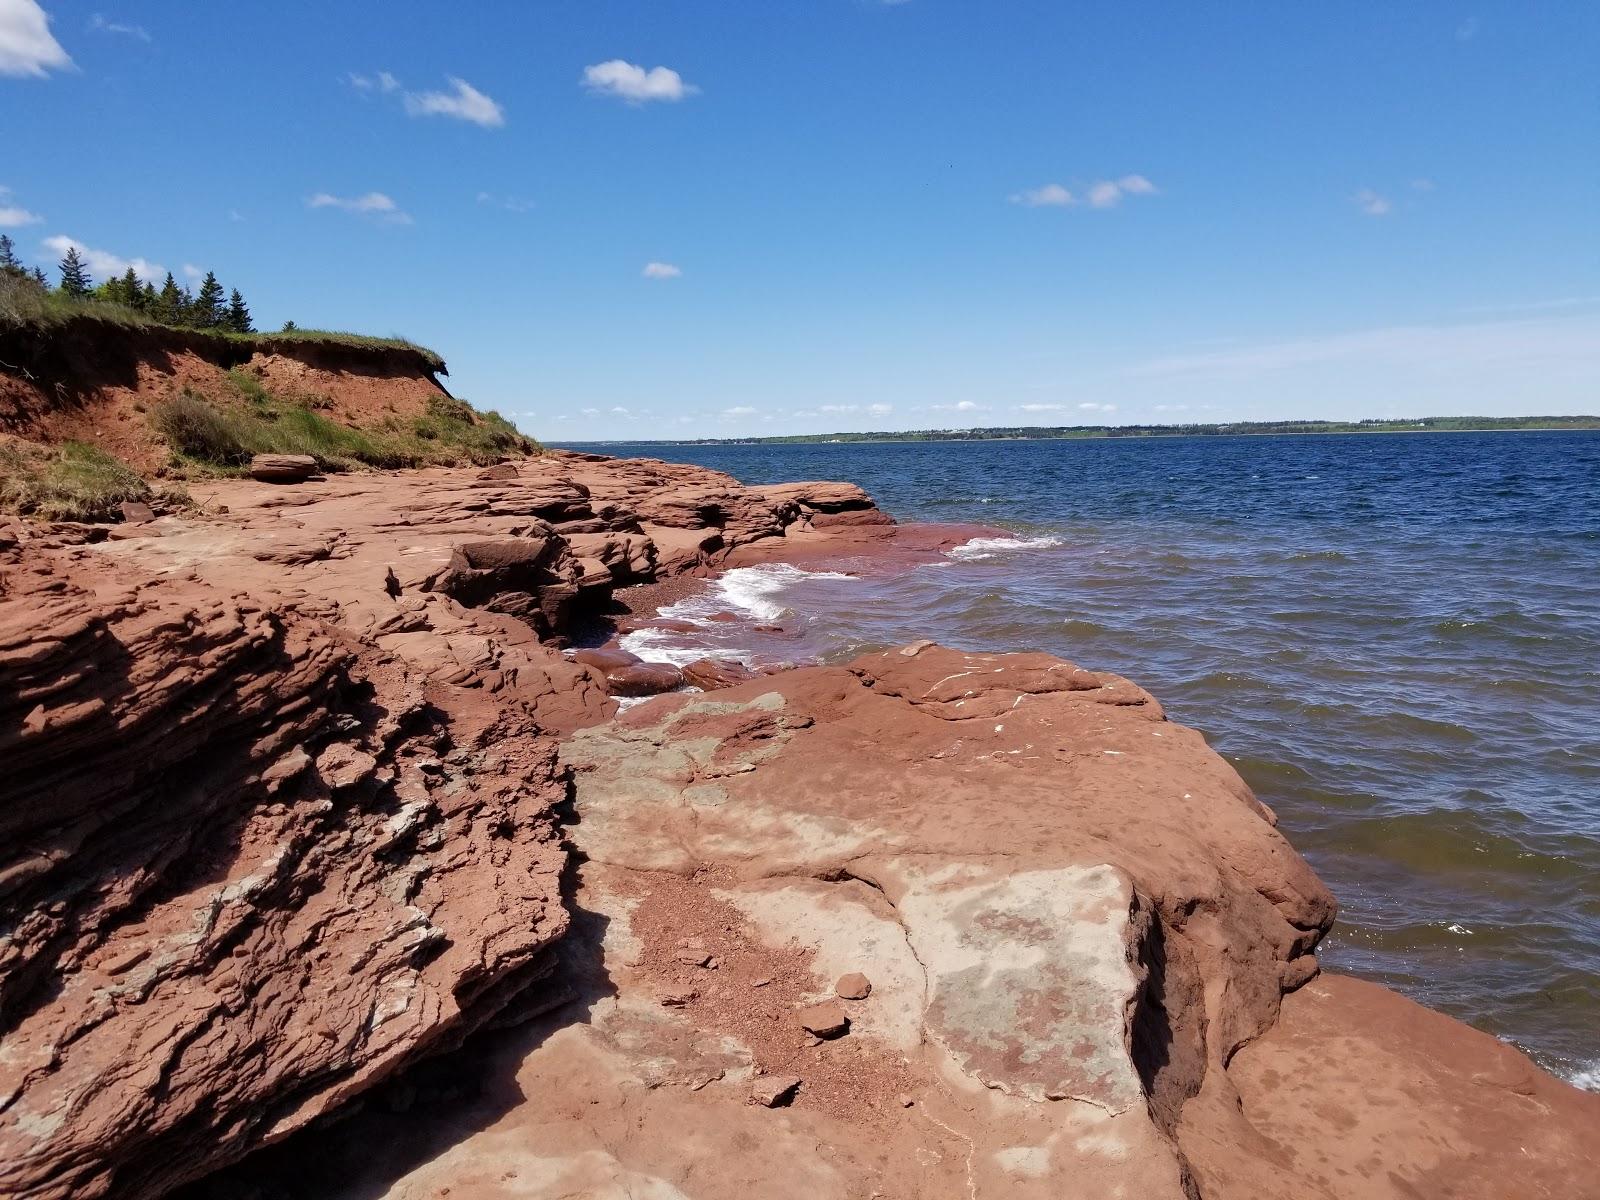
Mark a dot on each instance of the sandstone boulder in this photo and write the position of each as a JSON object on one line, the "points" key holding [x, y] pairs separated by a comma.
{"points": [[710, 674], [283, 468], [643, 679]]}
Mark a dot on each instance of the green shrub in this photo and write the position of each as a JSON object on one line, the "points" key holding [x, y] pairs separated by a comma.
{"points": [[196, 430]]}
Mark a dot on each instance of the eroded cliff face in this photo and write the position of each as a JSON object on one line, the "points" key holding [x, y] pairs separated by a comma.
{"points": [[301, 790]]}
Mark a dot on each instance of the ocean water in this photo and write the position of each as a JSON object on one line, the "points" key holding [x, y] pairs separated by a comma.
{"points": [[1394, 638]]}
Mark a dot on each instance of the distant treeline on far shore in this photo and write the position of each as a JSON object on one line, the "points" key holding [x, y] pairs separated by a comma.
{"points": [[1231, 428]]}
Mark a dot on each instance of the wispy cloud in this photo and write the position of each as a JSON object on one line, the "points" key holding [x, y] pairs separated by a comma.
{"points": [[1091, 406], [661, 270], [193, 273], [99, 24], [1467, 30], [381, 81], [514, 204], [463, 102], [1051, 195], [103, 264], [373, 204], [880, 410], [27, 47], [1423, 185], [14, 216], [631, 82], [1553, 344], [1039, 408], [961, 406], [740, 410], [1535, 305], [1102, 193], [1372, 203]]}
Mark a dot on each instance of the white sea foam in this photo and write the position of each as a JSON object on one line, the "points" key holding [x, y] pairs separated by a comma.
{"points": [[1587, 1076], [750, 591], [980, 548]]}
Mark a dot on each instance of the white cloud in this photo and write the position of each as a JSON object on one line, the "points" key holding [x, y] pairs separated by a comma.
{"points": [[960, 406], [1371, 203], [1102, 193], [99, 24], [591, 412], [193, 273], [633, 83], [372, 204], [463, 102], [838, 408], [1422, 185], [880, 409], [1051, 195], [1038, 408], [1467, 30], [1091, 406], [387, 82], [235, 215], [103, 264], [11, 217], [620, 411], [514, 204], [661, 270], [27, 47], [742, 410]]}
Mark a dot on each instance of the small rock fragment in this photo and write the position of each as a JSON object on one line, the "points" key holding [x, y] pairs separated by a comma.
{"points": [[854, 986], [773, 1091], [826, 1020], [679, 997]]}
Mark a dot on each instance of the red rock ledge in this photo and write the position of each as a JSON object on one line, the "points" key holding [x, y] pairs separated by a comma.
{"points": [[280, 820]]}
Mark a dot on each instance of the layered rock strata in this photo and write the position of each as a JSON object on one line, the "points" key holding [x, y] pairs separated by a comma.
{"points": [[280, 775]]}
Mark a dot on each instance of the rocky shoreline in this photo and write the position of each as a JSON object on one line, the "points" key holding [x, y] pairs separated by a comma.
{"points": [[308, 787]]}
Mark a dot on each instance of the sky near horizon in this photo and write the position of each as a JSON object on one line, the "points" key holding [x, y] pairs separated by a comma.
{"points": [[647, 220]]}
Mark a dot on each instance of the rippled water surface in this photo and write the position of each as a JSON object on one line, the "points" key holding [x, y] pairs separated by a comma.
{"points": [[1395, 638]]}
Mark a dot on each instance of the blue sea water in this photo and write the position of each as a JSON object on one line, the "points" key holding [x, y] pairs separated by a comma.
{"points": [[1395, 638]]}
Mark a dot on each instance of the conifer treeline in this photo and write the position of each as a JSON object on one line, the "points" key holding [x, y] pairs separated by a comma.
{"points": [[168, 305]]}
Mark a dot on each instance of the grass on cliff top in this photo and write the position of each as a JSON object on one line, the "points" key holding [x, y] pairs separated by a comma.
{"points": [[214, 438], [70, 482], [24, 305]]}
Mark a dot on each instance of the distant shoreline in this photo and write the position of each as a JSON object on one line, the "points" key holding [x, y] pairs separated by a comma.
{"points": [[1071, 433]]}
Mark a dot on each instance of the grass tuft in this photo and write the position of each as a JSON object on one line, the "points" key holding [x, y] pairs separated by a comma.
{"points": [[74, 482]]}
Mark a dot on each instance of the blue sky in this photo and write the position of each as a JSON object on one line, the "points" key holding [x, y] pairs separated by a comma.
{"points": [[655, 219]]}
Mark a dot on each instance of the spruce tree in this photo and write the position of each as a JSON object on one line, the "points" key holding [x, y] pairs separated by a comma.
{"points": [[186, 313], [238, 318], [148, 302], [128, 292], [8, 257], [210, 308], [169, 304], [41, 278], [75, 281]]}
